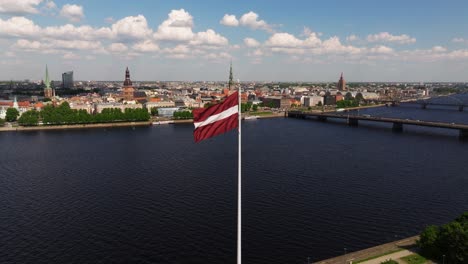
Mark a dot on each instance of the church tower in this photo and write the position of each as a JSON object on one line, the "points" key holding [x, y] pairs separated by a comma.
{"points": [[48, 92], [127, 90], [341, 84], [231, 82]]}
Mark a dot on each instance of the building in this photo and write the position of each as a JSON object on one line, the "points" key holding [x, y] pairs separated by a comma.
{"points": [[341, 84], [101, 106], [127, 90], [48, 91], [67, 80], [276, 102], [312, 100]]}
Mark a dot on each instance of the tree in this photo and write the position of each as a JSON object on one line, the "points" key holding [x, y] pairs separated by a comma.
{"points": [[154, 111], [255, 107], [29, 118], [2, 122], [359, 97], [348, 96], [450, 240], [12, 114], [319, 103]]}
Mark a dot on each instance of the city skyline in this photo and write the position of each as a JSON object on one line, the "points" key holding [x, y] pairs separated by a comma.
{"points": [[186, 41]]}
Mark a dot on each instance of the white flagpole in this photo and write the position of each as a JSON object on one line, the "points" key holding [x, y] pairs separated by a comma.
{"points": [[239, 218]]}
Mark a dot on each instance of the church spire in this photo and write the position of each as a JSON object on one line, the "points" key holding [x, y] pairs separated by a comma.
{"points": [[231, 82], [47, 80], [127, 81]]}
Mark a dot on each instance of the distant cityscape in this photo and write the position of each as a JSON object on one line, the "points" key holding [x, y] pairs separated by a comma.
{"points": [[170, 97]]}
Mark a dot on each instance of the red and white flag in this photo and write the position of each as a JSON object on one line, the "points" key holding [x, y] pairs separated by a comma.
{"points": [[216, 119]]}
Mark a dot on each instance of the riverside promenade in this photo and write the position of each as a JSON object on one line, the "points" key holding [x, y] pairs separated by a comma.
{"points": [[377, 254], [77, 126]]}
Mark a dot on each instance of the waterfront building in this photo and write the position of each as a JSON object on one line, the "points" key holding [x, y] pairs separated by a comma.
{"points": [[128, 90], [311, 100], [341, 84], [48, 91], [67, 80], [276, 102], [101, 106]]}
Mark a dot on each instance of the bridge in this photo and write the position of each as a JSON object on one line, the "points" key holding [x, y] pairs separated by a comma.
{"points": [[353, 120], [445, 100]]}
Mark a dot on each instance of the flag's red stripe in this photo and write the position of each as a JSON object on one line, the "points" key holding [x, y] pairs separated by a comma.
{"points": [[216, 128], [201, 114]]}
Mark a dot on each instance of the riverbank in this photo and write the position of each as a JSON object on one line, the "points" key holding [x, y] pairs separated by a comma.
{"points": [[381, 251], [77, 126]]}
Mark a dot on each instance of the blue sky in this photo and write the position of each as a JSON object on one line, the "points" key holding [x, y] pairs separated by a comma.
{"points": [[266, 40]]}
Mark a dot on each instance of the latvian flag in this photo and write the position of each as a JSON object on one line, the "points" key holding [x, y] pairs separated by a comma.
{"points": [[216, 119]]}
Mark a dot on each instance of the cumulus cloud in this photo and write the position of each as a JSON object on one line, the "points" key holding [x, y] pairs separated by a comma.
{"points": [[70, 56], [229, 20], [146, 46], [131, 28], [56, 46], [209, 37], [387, 37], [19, 27], [459, 40], [73, 13], [19, 7], [351, 38], [177, 27], [251, 43], [251, 20], [50, 5], [381, 50], [117, 47]]}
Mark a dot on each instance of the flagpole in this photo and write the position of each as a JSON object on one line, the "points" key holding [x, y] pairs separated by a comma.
{"points": [[239, 211]]}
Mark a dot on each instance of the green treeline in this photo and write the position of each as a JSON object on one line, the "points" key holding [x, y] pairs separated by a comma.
{"points": [[347, 103], [183, 115], [64, 115], [449, 241]]}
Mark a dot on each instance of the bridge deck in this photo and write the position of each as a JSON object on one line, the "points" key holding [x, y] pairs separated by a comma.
{"points": [[382, 119]]}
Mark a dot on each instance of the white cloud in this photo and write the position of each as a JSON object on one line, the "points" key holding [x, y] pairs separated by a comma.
{"points": [[131, 28], [209, 37], [460, 40], [19, 27], [251, 43], [381, 50], [250, 20], [177, 27], [74, 13], [50, 5], [352, 38], [118, 47], [284, 40], [70, 56], [229, 20], [56, 46], [19, 7], [387, 37], [439, 49], [146, 46]]}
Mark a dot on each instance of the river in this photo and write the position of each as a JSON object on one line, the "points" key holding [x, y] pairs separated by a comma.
{"points": [[151, 195]]}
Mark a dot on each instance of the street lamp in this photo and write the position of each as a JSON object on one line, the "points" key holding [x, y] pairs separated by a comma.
{"points": [[443, 259], [345, 255], [308, 260]]}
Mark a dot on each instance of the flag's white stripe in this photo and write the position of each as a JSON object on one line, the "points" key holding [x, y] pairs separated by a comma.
{"points": [[225, 114]]}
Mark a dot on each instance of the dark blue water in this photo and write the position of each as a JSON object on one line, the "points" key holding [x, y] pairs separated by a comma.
{"points": [[150, 195]]}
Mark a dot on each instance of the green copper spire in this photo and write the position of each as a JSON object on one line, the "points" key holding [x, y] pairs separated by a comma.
{"points": [[231, 82], [47, 80]]}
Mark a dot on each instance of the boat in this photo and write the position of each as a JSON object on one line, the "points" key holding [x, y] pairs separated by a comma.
{"points": [[340, 110], [250, 117], [162, 122]]}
